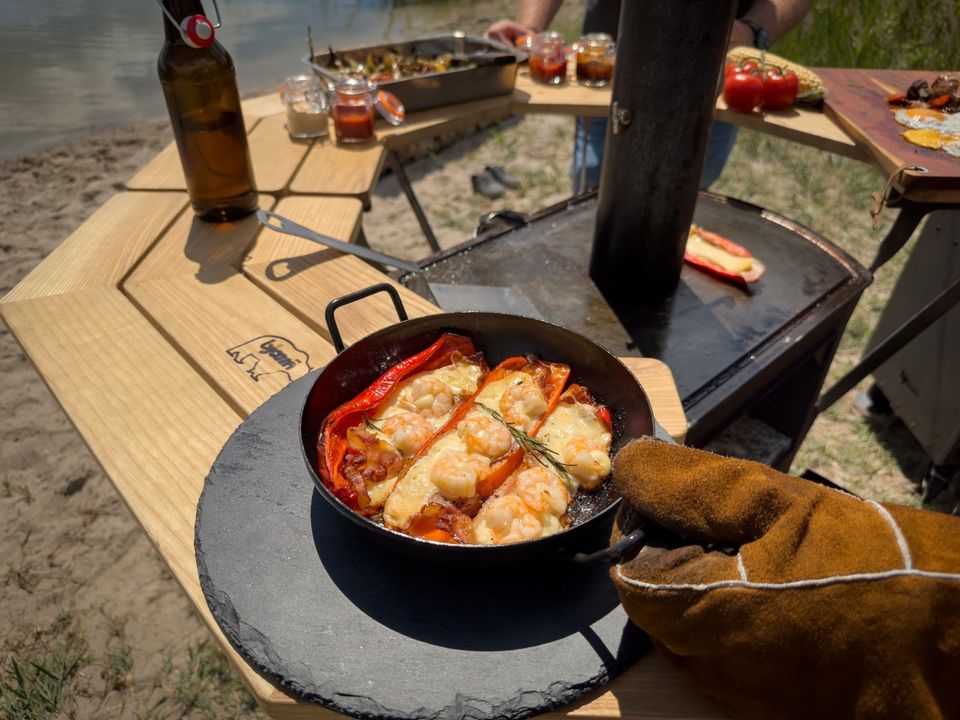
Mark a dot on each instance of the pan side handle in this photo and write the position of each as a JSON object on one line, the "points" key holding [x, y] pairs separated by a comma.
{"points": [[339, 302]]}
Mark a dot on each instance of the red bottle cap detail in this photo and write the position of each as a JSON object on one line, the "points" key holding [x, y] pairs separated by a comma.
{"points": [[197, 31]]}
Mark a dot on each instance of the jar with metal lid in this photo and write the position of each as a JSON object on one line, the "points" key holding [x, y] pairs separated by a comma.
{"points": [[595, 58], [352, 109], [548, 59]]}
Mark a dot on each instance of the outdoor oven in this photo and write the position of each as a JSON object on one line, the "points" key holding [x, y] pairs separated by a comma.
{"points": [[735, 354]]}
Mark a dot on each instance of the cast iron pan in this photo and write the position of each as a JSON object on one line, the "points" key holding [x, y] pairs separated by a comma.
{"points": [[499, 336]]}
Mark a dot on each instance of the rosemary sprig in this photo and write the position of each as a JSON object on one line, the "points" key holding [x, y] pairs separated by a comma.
{"points": [[543, 454], [370, 425]]}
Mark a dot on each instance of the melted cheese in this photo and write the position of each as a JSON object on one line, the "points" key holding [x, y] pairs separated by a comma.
{"points": [[569, 421], [416, 488], [414, 491], [462, 379], [696, 245]]}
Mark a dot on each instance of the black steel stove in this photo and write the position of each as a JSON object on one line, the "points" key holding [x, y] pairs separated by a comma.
{"points": [[733, 353]]}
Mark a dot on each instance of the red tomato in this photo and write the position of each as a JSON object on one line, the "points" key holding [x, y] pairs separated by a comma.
{"points": [[742, 91], [750, 66], [779, 89]]}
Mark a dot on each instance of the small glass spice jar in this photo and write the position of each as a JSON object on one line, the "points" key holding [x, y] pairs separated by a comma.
{"points": [[308, 110], [353, 104], [595, 57], [548, 59]]}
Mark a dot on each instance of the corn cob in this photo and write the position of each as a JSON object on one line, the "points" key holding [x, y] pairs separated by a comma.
{"points": [[811, 89]]}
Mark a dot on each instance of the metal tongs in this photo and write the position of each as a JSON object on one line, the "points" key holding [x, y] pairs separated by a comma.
{"points": [[289, 227]]}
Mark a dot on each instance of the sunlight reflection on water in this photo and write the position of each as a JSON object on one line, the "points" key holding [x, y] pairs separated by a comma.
{"points": [[67, 67]]}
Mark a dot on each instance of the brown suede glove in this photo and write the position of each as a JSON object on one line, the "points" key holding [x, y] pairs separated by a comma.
{"points": [[789, 599]]}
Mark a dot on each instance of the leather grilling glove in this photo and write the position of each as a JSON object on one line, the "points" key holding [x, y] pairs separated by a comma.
{"points": [[782, 598]]}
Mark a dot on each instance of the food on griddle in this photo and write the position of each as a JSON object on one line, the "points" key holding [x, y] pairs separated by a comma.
{"points": [[502, 465], [391, 64], [932, 112], [365, 442], [721, 257]]}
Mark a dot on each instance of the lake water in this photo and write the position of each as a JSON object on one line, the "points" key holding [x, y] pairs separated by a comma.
{"points": [[68, 67]]}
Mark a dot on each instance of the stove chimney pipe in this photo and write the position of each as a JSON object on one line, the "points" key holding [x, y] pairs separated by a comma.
{"points": [[669, 57]]}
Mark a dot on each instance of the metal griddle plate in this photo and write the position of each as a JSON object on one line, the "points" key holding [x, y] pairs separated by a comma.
{"points": [[706, 331]]}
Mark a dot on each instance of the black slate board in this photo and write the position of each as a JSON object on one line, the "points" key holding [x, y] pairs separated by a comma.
{"points": [[334, 618]]}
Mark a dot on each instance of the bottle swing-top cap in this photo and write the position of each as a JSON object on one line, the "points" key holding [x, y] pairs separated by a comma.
{"points": [[196, 30]]}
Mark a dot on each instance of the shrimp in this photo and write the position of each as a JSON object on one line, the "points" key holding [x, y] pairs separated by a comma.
{"points": [[523, 402], [407, 431], [532, 508], [429, 397], [506, 519], [542, 491], [587, 461], [456, 474], [485, 436]]}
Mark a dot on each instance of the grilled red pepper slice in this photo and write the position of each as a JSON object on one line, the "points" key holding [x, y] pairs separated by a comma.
{"points": [[580, 394], [333, 441], [738, 278]]}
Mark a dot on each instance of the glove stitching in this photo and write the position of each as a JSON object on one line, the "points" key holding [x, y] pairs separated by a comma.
{"points": [[741, 568], [897, 533], [793, 584]]}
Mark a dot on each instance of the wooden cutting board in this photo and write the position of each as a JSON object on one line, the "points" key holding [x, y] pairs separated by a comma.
{"points": [[857, 101]]}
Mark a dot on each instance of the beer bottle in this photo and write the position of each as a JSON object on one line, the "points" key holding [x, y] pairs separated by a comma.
{"points": [[200, 88]]}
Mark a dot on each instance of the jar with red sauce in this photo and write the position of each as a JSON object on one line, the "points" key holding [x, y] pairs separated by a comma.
{"points": [[352, 110], [548, 59], [595, 56]]}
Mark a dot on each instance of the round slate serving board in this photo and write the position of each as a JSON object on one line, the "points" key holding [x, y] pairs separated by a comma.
{"points": [[337, 619]]}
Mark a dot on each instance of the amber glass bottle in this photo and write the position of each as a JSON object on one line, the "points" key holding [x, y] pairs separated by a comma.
{"points": [[200, 87]]}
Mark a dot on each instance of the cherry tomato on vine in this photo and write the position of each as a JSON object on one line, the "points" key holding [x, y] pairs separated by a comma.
{"points": [[779, 88], [742, 91]]}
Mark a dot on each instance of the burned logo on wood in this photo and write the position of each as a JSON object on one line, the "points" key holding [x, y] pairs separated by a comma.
{"points": [[271, 354]]}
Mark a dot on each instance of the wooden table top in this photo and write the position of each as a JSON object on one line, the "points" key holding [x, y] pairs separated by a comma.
{"points": [[857, 102], [136, 319]]}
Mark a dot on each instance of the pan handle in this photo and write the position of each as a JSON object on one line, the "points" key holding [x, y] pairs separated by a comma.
{"points": [[339, 302], [616, 553], [629, 545]]}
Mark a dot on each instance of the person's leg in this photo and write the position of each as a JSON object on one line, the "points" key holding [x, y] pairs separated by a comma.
{"points": [[590, 135], [722, 137]]}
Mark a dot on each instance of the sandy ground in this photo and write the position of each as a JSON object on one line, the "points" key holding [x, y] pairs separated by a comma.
{"points": [[81, 590]]}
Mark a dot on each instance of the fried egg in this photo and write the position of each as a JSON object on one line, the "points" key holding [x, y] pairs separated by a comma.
{"points": [[931, 129]]}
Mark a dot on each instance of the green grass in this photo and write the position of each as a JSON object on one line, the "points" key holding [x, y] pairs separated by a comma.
{"points": [[207, 686], [877, 34], [37, 682]]}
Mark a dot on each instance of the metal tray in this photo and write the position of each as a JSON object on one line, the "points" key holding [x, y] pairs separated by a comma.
{"points": [[443, 88]]}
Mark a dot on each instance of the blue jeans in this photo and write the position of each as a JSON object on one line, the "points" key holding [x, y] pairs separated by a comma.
{"points": [[593, 131]]}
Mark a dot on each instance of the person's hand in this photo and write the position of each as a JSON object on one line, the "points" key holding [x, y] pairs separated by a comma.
{"points": [[740, 35], [785, 598], [507, 31]]}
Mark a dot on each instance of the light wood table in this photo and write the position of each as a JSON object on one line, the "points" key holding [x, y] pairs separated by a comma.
{"points": [[138, 322]]}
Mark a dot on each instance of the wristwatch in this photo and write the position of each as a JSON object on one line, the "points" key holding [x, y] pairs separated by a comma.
{"points": [[761, 40]]}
